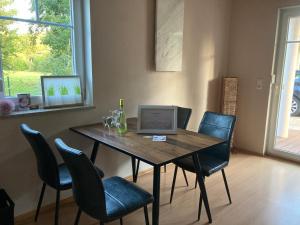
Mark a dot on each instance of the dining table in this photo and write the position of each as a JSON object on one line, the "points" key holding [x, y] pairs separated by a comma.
{"points": [[142, 147]]}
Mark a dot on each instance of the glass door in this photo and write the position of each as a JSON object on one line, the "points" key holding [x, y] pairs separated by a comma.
{"points": [[284, 123]]}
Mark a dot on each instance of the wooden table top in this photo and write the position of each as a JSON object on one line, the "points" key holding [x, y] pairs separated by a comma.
{"points": [[179, 145]]}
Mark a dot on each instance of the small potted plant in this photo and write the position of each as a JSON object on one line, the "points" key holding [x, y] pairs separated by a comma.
{"points": [[6, 107]]}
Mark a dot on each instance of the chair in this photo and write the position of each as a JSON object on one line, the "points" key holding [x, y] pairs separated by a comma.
{"points": [[213, 159], [105, 200], [51, 173], [183, 117]]}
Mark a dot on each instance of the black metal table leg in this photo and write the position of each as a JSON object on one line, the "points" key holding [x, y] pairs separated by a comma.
{"points": [[156, 194], [134, 173], [137, 170], [202, 185], [95, 151]]}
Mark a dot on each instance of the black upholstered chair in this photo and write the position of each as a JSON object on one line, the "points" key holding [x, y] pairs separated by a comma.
{"points": [[51, 173], [213, 159], [105, 200], [183, 117]]}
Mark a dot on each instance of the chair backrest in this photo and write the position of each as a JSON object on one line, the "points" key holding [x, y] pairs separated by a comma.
{"points": [[183, 117], [219, 126], [46, 161], [88, 190]]}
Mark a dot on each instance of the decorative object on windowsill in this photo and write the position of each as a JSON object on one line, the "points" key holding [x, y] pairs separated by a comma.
{"points": [[6, 107], [34, 107], [61, 91], [23, 102]]}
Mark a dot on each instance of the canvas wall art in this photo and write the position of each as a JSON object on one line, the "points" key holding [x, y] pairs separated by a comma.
{"points": [[169, 35]]}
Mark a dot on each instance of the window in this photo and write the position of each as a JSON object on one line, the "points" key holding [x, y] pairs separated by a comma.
{"points": [[38, 37]]}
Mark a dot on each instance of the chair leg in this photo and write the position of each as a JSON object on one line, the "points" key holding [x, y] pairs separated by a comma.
{"points": [[196, 182], [146, 215], [57, 207], [173, 183], [200, 206], [226, 186], [201, 182], [40, 202], [185, 177], [121, 221], [165, 168], [77, 217]]}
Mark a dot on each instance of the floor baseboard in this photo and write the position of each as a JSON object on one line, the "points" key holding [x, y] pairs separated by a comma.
{"points": [[28, 217]]}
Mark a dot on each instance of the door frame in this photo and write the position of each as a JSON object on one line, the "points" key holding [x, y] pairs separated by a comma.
{"points": [[284, 14]]}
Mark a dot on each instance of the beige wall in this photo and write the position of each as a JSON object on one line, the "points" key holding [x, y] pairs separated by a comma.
{"points": [[123, 44], [252, 38]]}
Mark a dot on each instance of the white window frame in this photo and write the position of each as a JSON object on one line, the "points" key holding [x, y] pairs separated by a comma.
{"points": [[81, 47]]}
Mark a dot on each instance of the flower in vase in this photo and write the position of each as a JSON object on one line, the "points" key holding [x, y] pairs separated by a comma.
{"points": [[6, 107]]}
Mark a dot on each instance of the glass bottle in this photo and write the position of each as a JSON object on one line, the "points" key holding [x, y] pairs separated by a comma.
{"points": [[122, 124]]}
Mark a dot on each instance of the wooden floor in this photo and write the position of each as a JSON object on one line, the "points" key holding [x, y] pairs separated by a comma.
{"points": [[264, 192], [290, 144]]}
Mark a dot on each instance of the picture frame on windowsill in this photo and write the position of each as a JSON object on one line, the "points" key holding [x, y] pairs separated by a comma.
{"points": [[61, 91], [24, 101]]}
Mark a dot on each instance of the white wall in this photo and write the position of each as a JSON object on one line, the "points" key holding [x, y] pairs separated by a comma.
{"points": [[123, 56]]}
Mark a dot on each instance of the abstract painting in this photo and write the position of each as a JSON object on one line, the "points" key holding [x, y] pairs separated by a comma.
{"points": [[169, 35]]}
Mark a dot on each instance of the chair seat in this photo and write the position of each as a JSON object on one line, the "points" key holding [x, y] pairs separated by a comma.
{"points": [[123, 197], [209, 164], [65, 178]]}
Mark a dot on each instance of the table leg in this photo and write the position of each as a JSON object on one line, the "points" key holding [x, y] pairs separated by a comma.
{"points": [[137, 170], [133, 164], [156, 193], [202, 185], [95, 151]]}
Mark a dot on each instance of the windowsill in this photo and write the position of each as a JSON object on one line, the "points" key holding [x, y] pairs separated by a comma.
{"points": [[39, 111]]}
